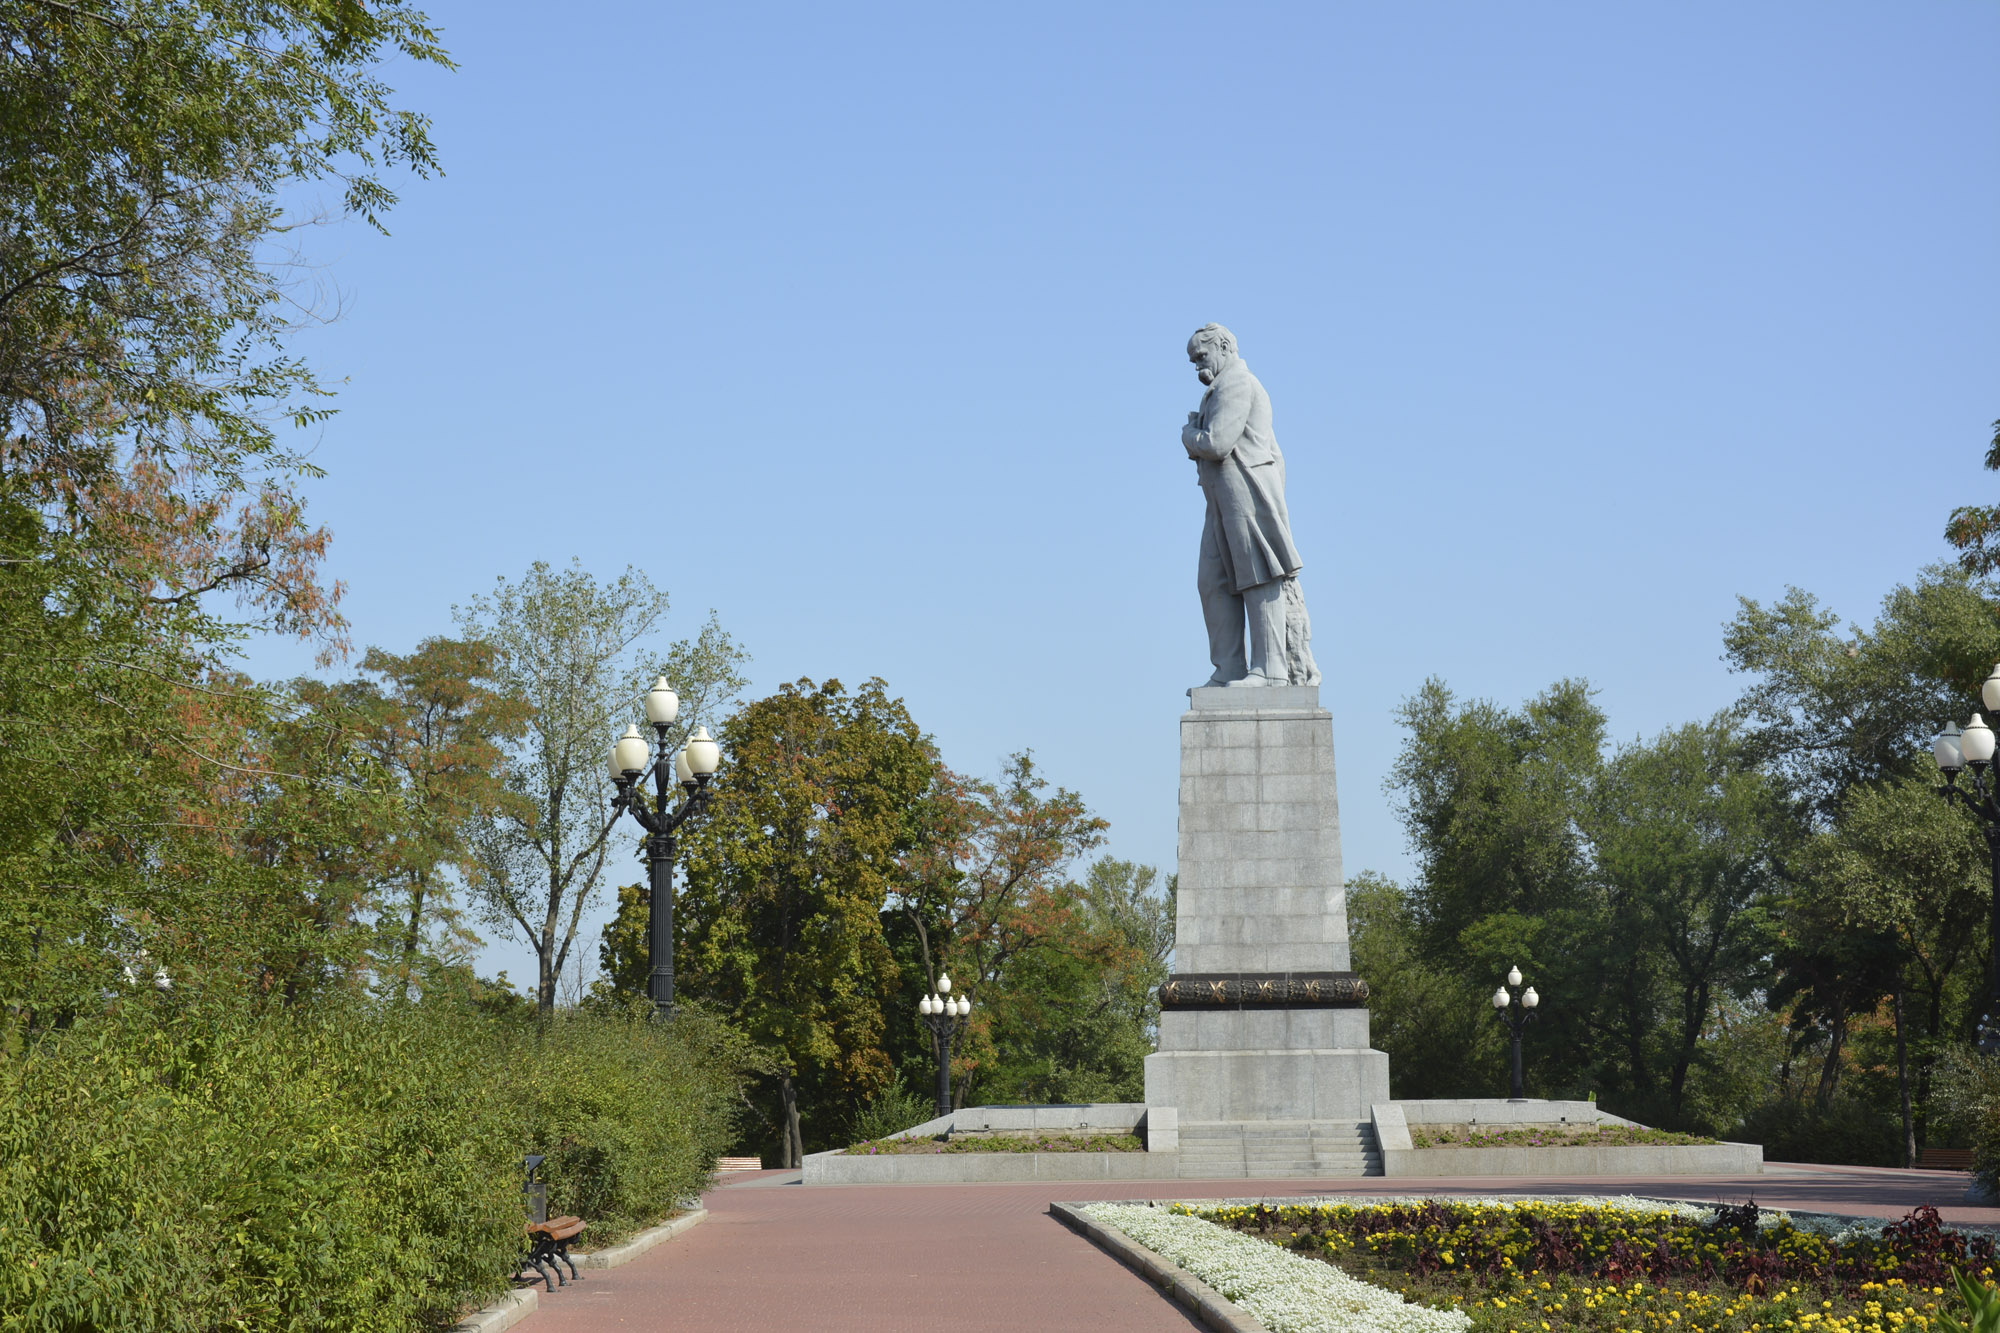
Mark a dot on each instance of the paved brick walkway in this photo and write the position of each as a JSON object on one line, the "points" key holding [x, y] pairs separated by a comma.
{"points": [[966, 1258]]}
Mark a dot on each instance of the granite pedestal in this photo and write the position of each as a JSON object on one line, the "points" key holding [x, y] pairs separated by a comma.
{"points": [[1263, 1019]]}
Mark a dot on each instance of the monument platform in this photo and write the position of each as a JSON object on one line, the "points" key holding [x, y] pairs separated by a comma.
{"points": [[1263, 1020]]}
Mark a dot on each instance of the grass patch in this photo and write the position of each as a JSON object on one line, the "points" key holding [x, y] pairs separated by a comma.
{"points": [[1000, 1143], [1552, 1267], [1551, 1136]]}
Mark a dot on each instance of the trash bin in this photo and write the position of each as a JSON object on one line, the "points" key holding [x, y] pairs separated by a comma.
{"points": [[535, 1192]]}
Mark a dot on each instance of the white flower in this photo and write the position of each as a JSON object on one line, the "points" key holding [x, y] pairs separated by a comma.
{"points": [[1288, 1292]]}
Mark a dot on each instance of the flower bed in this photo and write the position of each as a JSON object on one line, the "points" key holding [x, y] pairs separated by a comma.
{"points": [[1288, 1292], [1551, 1136], [1625, 1265], [1000, 1143]]}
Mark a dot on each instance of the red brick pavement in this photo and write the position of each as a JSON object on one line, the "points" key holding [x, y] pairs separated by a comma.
{"points": [[966, 1258]]}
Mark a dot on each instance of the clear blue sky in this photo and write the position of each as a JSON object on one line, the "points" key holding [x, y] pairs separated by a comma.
{"points": [[864, 326]]}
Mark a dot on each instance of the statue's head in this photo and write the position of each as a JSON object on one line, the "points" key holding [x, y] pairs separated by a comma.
{"points": [[1211, 348]]}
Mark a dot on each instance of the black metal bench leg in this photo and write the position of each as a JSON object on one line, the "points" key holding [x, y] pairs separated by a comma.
{"points": [[562, 1253], [539, 1260]]}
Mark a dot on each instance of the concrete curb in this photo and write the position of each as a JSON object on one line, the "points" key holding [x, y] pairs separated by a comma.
{"points": [[1711, 1159], [518, 1304], [1208, 1304], [639, 1244], [840, 1168], [504, 1313]]}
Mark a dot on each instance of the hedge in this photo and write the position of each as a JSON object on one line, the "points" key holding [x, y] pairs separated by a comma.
{"points": [[168, 1166]]}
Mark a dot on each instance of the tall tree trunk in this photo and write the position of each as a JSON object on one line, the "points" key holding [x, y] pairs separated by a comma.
{"points": [[1829, 1070], [1635, 1034], [1935, 996], [794, 1144], [547, 960], [1694, 1011], [1903, 1077], [413, 934]]}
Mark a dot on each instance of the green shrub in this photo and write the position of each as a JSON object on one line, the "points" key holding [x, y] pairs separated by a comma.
{"points": [[1965, 1107], [891, 1111], [164, 1169], [1848, 1133], [168, 1167], [631, 1113]]}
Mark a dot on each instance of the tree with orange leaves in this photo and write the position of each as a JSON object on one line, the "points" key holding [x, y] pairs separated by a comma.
{"points": [[145, 484]]}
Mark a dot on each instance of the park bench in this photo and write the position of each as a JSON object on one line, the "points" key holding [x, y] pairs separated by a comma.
{"points": [[1945, 1159], [549, 1238], [739, 1164], [548, 1247]]}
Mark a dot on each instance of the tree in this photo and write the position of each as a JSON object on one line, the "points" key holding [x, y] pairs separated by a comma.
{"points": [[1904, 864], [1828, 709], [989, 895], [438, 721], [144, 146], [1888, 883], [573, 649], [1072, 1012], [1490, 799], [824, 797], [1686, 833], [1975, 529], [1431, 1021], [1633, 888], [1493, 801]]}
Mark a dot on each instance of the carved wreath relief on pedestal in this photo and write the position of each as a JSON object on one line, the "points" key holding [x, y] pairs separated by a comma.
{"points": [[1276, 990]]}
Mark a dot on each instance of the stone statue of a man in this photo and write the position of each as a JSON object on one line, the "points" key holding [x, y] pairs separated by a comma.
{"points": [[1249, 567]]}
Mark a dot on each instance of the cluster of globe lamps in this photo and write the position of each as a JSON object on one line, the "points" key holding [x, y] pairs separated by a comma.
{"points": [[694, 764], [944, 1015], [944, 1004], [1515, 1022]]}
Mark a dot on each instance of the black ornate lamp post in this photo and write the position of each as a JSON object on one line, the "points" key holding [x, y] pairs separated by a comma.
{"points": [[1503, 1009], [1954, 751], [691, 769], [945, 1017]]}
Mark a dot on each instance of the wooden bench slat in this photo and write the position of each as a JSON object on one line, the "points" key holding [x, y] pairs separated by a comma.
{"points": [[566, 1231]]}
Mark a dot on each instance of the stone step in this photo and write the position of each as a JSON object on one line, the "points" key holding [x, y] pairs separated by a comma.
{"points": [[1283, 1149]]}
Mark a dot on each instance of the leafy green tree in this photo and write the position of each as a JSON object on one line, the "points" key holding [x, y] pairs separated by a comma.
{"points": [[823, 797], [1686, 832], [1828, 709], [990, 902], [1493, 801], [1902, 863], [1490, 798], [1073, 1017], [1633, 888], [574, 650], [436, 722], [1888, 886], [1975, 529], [144, 148], [625, 950], [1827, 973], [1433, 1022]]}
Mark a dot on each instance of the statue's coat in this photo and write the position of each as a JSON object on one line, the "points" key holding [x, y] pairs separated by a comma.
{"points": [[1242, 473]]}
